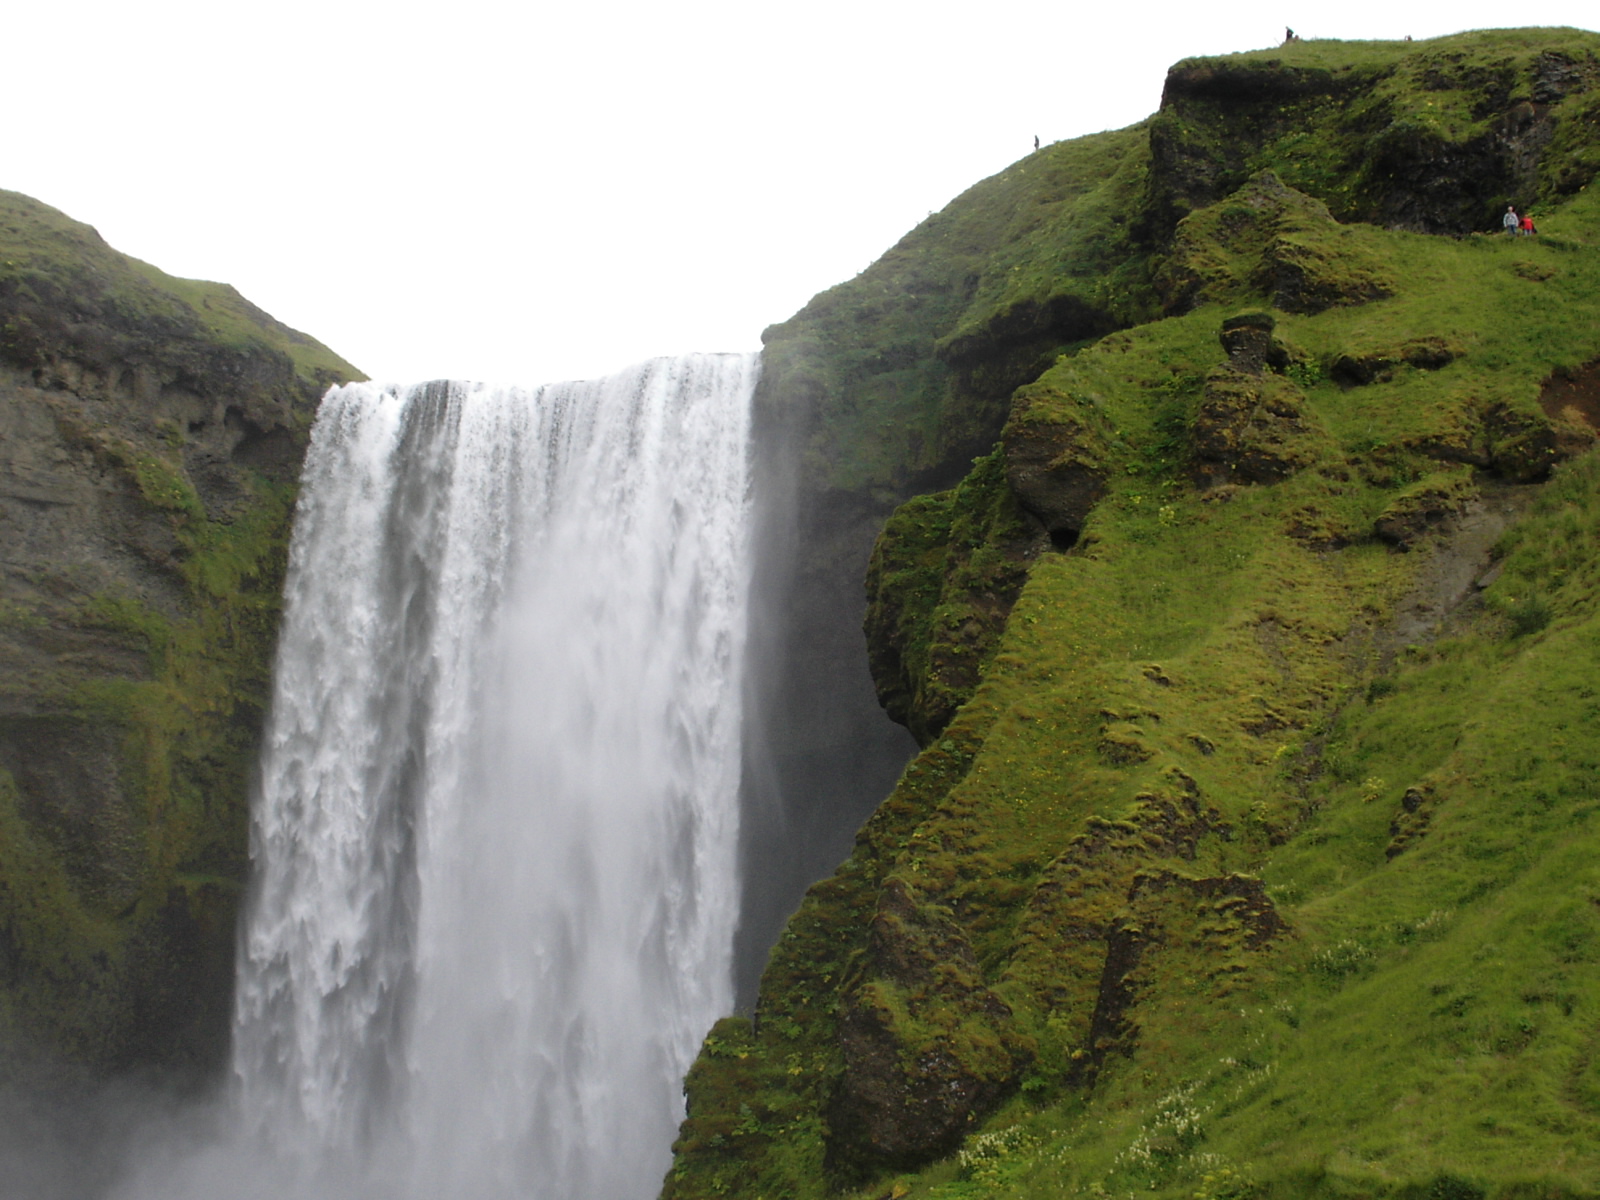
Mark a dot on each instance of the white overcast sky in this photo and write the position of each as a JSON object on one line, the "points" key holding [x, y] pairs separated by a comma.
{"points": [[530, 191]]}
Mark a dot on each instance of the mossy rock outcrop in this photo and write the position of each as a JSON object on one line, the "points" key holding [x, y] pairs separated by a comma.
{"points": [[1429, 137], [1058, 456], [881, 389], [927, 1047], [1359, 368], [153, 430], [1423, 507], [1254, 429], [1269, 239], [943, 576]]}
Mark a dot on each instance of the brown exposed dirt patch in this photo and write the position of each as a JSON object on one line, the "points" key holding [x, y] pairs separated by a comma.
{"points": [[1447, 587], [1574, 392]]}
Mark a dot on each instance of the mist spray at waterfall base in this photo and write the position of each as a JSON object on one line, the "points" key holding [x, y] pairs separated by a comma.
{"points": [[494, 847]]}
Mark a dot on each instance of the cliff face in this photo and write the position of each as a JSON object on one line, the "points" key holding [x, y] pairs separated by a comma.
{"points": [[1250, 660], [151, 431], [877, 390]]}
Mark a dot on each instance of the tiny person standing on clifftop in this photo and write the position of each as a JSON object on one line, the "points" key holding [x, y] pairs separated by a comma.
{"points": [[1512, 223]]}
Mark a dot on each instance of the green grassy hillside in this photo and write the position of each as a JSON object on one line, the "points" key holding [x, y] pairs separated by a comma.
{"points": [[1251, 848]]}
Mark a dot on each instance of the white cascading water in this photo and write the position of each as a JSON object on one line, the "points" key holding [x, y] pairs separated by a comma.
{"points": [[495, 841]]}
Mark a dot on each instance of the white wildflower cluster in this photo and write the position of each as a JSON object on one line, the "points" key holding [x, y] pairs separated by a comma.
{"points": [[1251, 1067], [1172, 1132], [983, 1158], [1252, 1076], [1345, 957], [1435, 919]]}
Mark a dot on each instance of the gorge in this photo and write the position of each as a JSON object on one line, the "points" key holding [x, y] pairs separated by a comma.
{"points": [[1225, 497]]}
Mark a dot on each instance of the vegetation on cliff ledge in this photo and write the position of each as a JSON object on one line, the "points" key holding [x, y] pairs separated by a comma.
{"points": [[1250, 851]]}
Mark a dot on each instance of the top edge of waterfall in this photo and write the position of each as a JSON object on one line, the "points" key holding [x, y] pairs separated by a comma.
{"points": [[401, 385]]}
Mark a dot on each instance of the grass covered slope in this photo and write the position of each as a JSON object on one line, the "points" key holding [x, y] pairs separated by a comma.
{"points": [[151, 431], [1250, 848], [65, 295], [906, 371], [908, 366]]}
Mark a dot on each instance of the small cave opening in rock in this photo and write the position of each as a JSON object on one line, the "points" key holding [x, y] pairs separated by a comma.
{"points": [[263, 449], [1063, 539], [1573, 392]]}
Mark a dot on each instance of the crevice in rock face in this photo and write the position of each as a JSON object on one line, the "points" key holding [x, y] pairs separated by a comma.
{"points": [[1161, 903]]}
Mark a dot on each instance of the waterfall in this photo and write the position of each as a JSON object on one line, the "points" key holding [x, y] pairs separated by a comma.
{"points": [[495, 838]]}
